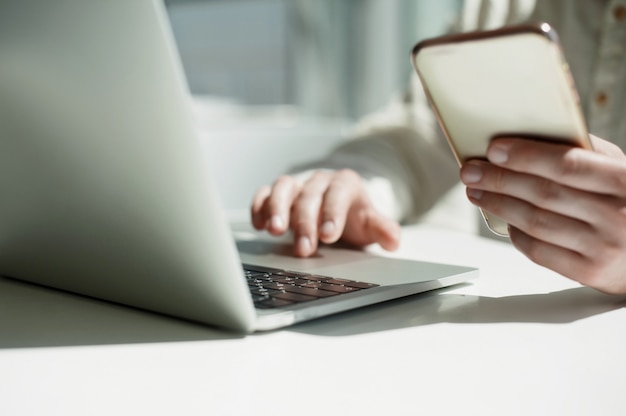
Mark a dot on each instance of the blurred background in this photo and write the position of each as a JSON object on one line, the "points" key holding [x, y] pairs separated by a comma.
{"points": [[284, 78]]}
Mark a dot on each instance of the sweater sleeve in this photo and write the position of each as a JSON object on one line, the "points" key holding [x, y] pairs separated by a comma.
{"points": [[400, 151], [401, 155]]}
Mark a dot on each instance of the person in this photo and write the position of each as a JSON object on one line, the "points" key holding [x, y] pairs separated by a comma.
{"points": [[565, 206]]}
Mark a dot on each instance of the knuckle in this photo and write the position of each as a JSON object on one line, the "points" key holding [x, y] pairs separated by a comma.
{"points": [[607, 254], [500, 180], [539, 221], [548, 190], [308, 194], [572, 164], [349, 173], [303, 226], [283, 180], [620, 219], [619, 181], [611, 211], [347, 176], [613, 214], [305, 208], [318, 175]]}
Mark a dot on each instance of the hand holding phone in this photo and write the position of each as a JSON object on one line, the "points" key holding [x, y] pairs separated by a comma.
{"points": [[512, 82]]}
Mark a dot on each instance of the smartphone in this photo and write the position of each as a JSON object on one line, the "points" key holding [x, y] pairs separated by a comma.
{"points": [[511, 82]]}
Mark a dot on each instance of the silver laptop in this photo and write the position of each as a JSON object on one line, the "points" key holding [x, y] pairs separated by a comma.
{"points": [[106, 190]]}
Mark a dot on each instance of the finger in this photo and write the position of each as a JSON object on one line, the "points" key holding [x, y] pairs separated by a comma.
{"points": [[572, 166], [576, 266], [541, 224], [599, 210], [366, 226], [606, 148], [340, 195], [278, 207], [258, 207], [386, 231], [563, 261], [306, 212]]}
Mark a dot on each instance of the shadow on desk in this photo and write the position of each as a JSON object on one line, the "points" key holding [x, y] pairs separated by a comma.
{"points": [[432, 308], [34, 316]]}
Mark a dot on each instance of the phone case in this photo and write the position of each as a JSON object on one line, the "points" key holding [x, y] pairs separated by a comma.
{"points": [[511, 82]]}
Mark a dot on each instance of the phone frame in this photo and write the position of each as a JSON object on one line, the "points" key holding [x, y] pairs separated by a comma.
{"points": [[494, 223]]}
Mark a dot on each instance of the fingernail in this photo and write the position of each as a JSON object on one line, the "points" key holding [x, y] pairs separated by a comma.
{"points": [[277, 222], [474, 193], [304, 245], [498, 153], [471, 173], [327, 228]]}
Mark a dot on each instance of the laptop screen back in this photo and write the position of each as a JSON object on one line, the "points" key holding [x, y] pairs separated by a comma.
{"points": [[105, 187]]}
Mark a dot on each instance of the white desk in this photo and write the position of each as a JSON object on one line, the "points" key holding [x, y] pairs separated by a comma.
{"points": [[519, 341]]}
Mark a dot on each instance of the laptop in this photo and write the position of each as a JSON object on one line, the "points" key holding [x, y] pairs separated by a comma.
{"points": [[107, 191]]}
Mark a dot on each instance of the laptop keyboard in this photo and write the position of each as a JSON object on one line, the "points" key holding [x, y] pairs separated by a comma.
{"points": [[275, 288]]}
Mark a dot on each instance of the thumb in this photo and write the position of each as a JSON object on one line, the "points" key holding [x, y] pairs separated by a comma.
{"points": [[384, 231]]}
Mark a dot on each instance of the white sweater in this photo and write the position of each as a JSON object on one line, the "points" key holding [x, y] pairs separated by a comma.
{"points": [[401, 152]]}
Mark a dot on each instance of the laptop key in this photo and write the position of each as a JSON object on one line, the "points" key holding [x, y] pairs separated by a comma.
{"points": [[338, 288], [273, 288], [318, 278], [311, 284], [273, 303], [260, 269], [263, 291], [360, 285], [286, 280], [259, 298], [294, 297], [318, 293], [289, 273], [351, 283]]}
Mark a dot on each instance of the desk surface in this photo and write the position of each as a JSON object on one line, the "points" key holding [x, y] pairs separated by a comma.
{"points": [[520, 340]]}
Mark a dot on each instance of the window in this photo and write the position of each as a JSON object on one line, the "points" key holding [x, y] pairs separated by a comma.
{"points": [[338, 58]]}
